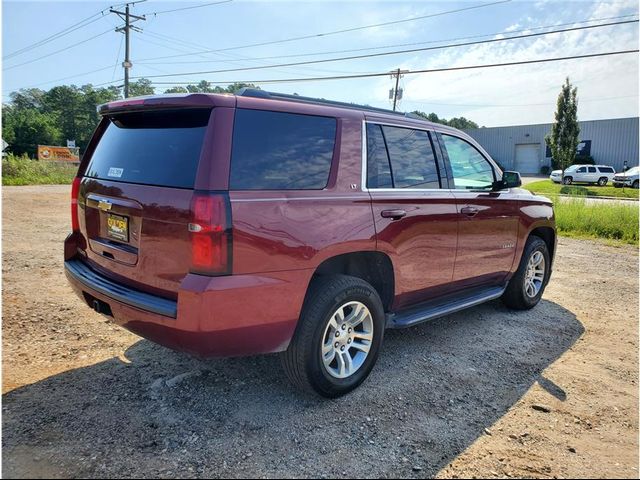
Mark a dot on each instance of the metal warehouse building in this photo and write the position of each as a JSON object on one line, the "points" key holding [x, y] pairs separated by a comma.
{"points": [[522, 147]]}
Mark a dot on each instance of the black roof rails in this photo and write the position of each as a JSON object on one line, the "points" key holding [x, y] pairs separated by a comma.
{"points": [[257, 93]]}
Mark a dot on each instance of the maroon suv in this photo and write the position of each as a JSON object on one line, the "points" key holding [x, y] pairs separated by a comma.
{"points": [[256, 223]]}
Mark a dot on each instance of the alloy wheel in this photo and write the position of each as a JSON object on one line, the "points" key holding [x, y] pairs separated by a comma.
{"points": [[534, 276], [347, 340]]}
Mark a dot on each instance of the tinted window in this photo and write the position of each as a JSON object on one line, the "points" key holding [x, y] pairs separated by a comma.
{"points": [[378, 170], [607, 170], [151, 148], [468, 167], [412, 160], [281, 151], [592, 170]]}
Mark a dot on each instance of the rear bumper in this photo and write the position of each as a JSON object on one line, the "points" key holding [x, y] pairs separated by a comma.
{"points": [[214, 316]]}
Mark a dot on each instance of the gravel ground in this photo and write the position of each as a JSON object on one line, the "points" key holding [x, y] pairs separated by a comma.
{"points": [[552, 392]]}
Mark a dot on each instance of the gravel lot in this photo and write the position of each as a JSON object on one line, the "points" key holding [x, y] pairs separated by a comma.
{"points": [[490, 393]]}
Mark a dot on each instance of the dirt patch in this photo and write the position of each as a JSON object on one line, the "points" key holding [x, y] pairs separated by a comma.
{"points": [[551, 392]]}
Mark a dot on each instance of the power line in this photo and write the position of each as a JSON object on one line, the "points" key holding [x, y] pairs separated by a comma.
{"points": [[72, 28], [489, 105], [68, 47], [408, 72], [336, 32], [330, 52], [188, 8], [396, 52]]}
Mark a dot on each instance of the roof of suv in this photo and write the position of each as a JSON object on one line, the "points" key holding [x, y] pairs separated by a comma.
{"points": [[257, 97]]}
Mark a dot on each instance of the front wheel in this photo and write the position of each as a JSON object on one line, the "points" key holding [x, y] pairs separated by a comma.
{"points": [[567, 180], [338, 337], [527, 285], [634, 184]]}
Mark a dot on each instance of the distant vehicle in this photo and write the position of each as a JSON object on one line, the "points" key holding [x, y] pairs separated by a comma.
{"points": [[595, 174], [627, 179]]}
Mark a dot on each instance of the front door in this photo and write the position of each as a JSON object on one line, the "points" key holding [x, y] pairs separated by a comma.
{"points": [[488, 227]]}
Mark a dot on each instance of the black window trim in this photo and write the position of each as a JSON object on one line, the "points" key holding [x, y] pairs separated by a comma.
{"points": [[436, 152]]}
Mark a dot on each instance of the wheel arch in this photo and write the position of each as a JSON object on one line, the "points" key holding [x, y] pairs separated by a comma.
{"points": [[373, 267], [548, 234]]}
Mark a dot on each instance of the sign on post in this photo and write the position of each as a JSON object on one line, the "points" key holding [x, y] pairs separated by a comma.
{"points": [[58, 154]]}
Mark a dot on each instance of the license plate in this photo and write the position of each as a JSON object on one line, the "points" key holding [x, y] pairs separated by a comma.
{"points": [[118, 227]]}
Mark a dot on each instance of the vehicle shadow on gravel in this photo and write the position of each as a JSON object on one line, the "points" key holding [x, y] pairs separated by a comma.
{"points": [[435, 389]]}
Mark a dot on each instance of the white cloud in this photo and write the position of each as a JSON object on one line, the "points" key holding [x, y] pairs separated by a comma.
{"points": [[526, 86]]}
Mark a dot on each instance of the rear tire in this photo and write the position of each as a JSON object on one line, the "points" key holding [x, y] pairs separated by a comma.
{"points": [[328, 329], [568, 180], [527, 285], [603, 181]]}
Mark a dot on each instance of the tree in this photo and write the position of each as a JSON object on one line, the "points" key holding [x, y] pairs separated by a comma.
{"points": [[26, 128], [205, 87], [460, 123], [141, 87], [563, 140]]}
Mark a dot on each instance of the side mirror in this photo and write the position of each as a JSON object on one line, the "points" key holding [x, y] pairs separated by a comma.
{"points": [[509, 180]]}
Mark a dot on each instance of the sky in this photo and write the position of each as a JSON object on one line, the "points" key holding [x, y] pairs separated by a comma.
{"points": [[508, 95]]}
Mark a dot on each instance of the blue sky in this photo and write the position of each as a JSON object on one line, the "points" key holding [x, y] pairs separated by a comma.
{"points": [[607, 86]]}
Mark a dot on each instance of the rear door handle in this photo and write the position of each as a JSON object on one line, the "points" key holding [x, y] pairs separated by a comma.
{"points": [[395, 214], [469, 211]]}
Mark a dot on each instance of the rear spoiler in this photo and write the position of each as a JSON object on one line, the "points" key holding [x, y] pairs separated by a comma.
{"points": [[170, 101]]}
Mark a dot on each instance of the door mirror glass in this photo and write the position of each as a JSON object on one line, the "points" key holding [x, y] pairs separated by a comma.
{"points": [[509, 180]]}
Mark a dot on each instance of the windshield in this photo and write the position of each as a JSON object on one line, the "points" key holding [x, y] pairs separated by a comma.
{"points": [[633, 171]]}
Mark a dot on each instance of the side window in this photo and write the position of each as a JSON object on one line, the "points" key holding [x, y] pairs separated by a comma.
{"points": [[378, 168], [592, 170], [606, 170], [582, 170], [468, 167], [281, 151], [413, 163]]}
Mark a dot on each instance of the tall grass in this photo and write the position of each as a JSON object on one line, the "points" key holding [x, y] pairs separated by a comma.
{"points": [[547, 187], [597, 219], [21, 170]]}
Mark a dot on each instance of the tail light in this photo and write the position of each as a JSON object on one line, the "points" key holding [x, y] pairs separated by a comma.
{"points": [[210, 230], [75, 190]]}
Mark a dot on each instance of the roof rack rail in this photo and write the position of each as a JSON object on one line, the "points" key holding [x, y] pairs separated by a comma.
{"points": [[257, 93]]}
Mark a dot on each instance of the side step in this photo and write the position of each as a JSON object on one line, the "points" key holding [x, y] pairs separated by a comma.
{"points": [[440, 307]]}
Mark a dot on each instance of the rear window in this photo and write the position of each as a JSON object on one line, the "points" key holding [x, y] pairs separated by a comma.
{"points": [[151, 148], [281, 151]]}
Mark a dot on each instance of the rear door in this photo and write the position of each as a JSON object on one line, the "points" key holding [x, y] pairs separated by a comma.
{"points": [[136, 193], [415, 217], [488, 228]]}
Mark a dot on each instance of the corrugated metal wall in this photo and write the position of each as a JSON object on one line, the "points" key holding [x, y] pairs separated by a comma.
{"points": [[612, 141]]}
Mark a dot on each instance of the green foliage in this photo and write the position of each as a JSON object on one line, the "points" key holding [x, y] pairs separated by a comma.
{"points": [[205, 87], [460, 123], [547, 187], [141, 87], [597, 219], [35, 117], [21, 170], [563, 140]]}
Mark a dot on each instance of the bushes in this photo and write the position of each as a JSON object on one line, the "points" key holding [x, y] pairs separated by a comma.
{"points": [[21, 170]]}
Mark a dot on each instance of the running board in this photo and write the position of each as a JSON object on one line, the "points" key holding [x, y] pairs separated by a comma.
{"points": [[433, 309]]}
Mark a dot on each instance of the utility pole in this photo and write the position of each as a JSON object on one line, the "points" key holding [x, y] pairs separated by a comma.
{"points": [[126, 16], [395, 93]]}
